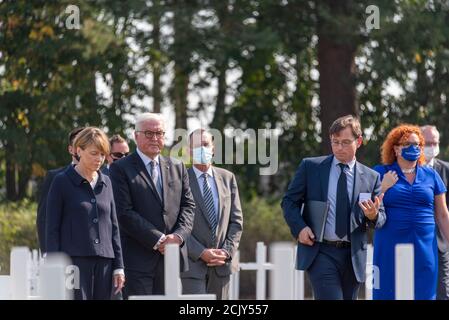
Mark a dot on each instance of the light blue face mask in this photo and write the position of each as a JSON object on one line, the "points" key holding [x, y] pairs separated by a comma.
{"points": [[202, 155]]}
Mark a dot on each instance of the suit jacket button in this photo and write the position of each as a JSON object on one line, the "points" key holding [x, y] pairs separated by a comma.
{"points": [[97, 241], [95, 220], [93, 200]]}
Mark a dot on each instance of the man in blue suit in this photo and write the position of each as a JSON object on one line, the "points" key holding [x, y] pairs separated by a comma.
{"points": [[336, 265]]}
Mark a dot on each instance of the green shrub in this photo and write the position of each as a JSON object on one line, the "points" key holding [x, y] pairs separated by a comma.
{"points": [[17, 228], [262, 221]]}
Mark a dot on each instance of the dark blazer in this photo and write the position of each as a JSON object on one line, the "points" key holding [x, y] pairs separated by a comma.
{"points": [[42, 205], [311, 182], [229, 229], [442, 167], [80, 221], [143, 216]]}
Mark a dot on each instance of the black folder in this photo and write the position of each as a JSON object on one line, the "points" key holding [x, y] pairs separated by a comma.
{"points": [[315, 215]]}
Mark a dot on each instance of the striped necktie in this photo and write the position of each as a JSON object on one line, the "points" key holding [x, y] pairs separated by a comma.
{"points": [[155, 177], [209, 203]]}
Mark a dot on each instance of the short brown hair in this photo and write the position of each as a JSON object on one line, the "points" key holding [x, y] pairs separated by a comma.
{"points": [[92, 136], [116, 138], [398, 136], [345, 122]]}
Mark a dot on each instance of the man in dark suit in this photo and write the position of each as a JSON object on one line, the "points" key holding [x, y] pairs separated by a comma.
{"points": [[51, 174], [218, 224], [431, 151], [154, 207], [336, 265]]}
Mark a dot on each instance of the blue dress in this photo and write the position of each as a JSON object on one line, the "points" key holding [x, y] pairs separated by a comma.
{"points": [[410, 219]]}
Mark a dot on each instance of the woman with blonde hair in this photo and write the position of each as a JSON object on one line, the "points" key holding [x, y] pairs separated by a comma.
{"points": [[82, 221], [414, 199]]}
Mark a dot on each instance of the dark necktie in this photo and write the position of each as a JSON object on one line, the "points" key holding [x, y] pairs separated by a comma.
{"points": [[209, 203], [342, 208]]}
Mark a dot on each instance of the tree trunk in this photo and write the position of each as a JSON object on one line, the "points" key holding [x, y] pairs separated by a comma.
{"points": [[181, 57], [24, 178], [218, 121], [336, 58], [11, 182], [156, 65], [180, 97]]}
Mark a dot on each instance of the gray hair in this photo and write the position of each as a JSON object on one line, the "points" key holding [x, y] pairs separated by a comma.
{"points": [[149, 116], [199, 131], [430, 127]]}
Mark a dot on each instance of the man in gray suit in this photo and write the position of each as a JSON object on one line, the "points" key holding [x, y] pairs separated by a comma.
{"points": [[217, 225], [335, 264], [431, 151]]}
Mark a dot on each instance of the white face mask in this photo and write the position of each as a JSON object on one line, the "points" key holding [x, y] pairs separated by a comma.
{"points": [[431, 152], [202, 155]]}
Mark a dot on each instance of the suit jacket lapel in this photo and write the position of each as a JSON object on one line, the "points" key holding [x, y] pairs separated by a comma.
{"points": [[143, 172], [165, 167], [324, 176], [358, 181], [358, 177], [219, 183], [436, 165]]}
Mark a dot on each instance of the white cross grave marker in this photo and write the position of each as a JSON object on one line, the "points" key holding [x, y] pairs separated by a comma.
{"points": [[173, 285], [404, 272]]}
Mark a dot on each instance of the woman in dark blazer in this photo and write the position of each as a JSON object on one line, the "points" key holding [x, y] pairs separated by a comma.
{"points": [[82, 221]]}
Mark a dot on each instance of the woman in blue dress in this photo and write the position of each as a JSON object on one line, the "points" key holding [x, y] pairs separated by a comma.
{"points": [[414, 199]]}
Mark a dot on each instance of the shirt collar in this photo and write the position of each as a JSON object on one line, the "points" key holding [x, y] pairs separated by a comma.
{"points": [[431, 163], [146, 160], [77, 179], [199, 173], [351, 164]]}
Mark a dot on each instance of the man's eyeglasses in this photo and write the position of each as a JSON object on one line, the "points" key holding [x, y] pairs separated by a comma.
{"points": [[119, 155], [151, 134], [344, 143]]}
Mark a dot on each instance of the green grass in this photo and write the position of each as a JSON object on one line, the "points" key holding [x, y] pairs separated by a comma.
{"points": [[17, 228]]}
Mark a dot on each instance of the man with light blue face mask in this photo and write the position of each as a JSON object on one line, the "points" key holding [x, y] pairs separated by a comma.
{"points": [[431, 151], [218, 222]]}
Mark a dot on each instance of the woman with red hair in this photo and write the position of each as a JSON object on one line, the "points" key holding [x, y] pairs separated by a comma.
{"points": [[414, 199]]}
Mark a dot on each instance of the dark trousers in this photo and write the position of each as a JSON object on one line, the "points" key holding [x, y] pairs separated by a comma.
{"points": [[331, 274], [443, 276], [95, 278], [143, 283], [211, 284]]}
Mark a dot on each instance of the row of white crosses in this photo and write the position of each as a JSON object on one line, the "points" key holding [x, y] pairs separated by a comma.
{"points": [[286, 283], [32, 278], [173, 287]]}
